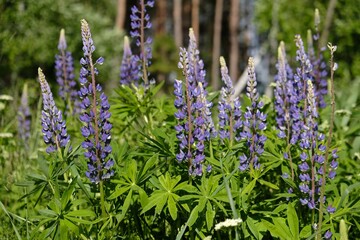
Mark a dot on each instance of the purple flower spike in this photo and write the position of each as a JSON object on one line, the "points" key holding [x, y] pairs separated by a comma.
{"points": [[195, 126], [254, 122], [229, 108], [64, 68], [53, 127], [95, 114], [24, 117], [130, 68], [140, 21]]}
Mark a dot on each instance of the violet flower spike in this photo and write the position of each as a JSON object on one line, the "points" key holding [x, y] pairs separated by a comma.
{"points": [[64, 68], [140, 21], [195, 126], [130, 69], [319, 73], [254, 124], [229, 108], [95, 115], [24, 117], [53, 126]]}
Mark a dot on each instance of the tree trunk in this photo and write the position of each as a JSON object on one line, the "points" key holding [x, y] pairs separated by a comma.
{"points": [[216, 45], [161, 10], [195, 18], [121, 14], [234, 43], [177, 12]]}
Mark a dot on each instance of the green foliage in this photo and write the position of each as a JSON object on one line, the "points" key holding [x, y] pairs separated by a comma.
{"points": [[151, 195]]}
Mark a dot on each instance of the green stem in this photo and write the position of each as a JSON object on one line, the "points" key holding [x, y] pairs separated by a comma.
{"points": [[328, 144], [102, 199], [228, 191]]}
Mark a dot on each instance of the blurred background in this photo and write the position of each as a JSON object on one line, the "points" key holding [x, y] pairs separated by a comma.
{"points": [[235, 29]]}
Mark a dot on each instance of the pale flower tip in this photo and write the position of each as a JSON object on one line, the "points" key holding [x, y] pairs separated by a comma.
{"points": [[84, 25], [317, 17], [62, 41], [309, 37], [127, 49], [192, 34], [251, 62], [222, 62]]}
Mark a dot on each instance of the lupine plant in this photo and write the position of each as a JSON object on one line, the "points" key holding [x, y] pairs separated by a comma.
{"points": [[140, 21], [193, 164], [24, 116], [95, 116], [130, 69], [65, 76], [53, 125], [254, 123], [195, 126]]}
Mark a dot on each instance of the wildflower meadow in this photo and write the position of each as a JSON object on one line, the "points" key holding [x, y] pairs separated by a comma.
{"points": [[146, 158]]}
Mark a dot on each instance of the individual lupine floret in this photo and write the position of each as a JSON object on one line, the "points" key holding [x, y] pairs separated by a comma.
{"points": [[254, 123], [140, 21], [95, 115], [53, 126], [195, 125], [229, 108], [64, 68], [24, 116], [130, 68]]}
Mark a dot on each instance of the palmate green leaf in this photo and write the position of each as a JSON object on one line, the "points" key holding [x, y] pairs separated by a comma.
{"points": [[172, 207], [145, 170], [293, 221], [70, 225], [253, 228], [269, 184], [81, 213], [276, 230], [305, 232], [48, 213], [154, 199], [248, 188], [65, 197], [202, 203], [119, 191], [48, 231], [185, 187], [346, 192], [62, 232], [127, 203], [75, 172], [281, 225], [210, 215], [80, 220], [193, 216], [11, 220], [160, 205]]}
